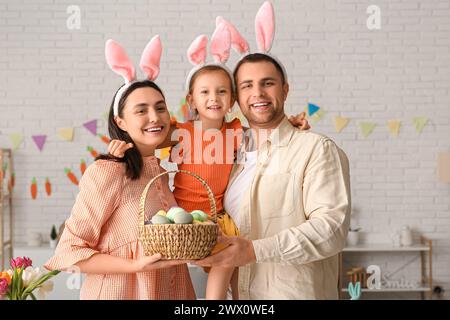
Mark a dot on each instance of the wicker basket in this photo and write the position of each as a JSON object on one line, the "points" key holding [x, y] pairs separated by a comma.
{"points": [[178, 241]]}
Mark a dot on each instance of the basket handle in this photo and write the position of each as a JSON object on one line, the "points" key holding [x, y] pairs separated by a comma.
{"points": [[212, 201]]}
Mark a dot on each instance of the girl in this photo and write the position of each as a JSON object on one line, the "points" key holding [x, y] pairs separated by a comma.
{"points": [[101, 235], [210, 95]]}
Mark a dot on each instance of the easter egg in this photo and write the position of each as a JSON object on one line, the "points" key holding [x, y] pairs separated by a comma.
{"points": [[172, 211], [162, 213], [199, 215], [183, 217], [159, 219]]}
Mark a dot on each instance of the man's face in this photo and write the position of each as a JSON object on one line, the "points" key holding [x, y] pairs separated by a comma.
{"points": [[261, 94]]}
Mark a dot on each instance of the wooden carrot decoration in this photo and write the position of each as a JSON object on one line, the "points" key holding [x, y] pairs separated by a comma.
{"points": [[3, 171], [104, 138], [93, 152], [33, 188], [82, 166], [48, 187], [12, 181], [71, 176]]}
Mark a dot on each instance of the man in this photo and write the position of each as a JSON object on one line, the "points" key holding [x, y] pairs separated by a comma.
{"points": [[291, 202]]}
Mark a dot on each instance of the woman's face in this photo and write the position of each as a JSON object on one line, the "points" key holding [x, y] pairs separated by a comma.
{"points": [[146, 119]]}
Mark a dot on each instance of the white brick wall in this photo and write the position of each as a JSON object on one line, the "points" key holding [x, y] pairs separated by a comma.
{"points": [[52, 77]]}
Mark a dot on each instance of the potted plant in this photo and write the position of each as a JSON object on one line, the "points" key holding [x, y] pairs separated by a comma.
{"points": [[353, 236], [53, 237]]}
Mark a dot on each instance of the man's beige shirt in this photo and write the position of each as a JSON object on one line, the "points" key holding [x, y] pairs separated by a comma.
{"points": [[297, 212]]}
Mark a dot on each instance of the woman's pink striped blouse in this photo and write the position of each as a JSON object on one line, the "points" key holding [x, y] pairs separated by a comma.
{"points": [[104, 219]]}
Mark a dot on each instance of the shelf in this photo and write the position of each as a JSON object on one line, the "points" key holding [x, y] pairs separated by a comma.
{"points": [[422, 289], [385, 248]]}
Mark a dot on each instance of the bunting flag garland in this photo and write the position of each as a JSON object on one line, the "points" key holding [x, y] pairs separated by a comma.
{"points": [[340, 123], [419, 123], [91, 126], [312, 109], [367, 128], [16, 140], [39, 141], [394, 127], [66, 133]]}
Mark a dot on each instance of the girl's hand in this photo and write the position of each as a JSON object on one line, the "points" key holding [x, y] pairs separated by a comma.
{"points": [[153, 262], [299, 121], [117, 148]]}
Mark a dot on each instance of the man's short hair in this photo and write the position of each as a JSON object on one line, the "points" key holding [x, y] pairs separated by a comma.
{"points": [[257, 57]]}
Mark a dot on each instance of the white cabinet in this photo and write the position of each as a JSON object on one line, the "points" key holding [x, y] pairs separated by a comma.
{"points": [[424, 249]]}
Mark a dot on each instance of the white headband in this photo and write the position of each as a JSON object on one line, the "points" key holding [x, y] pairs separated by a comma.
{"points": [[265, 31], [219, 48]]}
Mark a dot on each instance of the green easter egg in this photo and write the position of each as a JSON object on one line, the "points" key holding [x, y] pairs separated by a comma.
{"points": [[199, 215], [159, 219], [183, 218], [172, 211]]}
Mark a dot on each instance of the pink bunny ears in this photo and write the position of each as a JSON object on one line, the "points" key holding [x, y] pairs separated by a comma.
{"points": [[264, 29], [119, 62], [220, 50]]}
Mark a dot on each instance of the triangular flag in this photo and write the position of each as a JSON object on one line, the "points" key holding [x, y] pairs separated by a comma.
{"points": [[39, 141], [340, 123], [66, 133], [164, 153], [367, 128], [394, 127], [91, 126], [312, 109], [16, 140], [419, 123]]}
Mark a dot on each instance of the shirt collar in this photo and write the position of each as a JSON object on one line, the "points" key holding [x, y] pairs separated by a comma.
{"points": [[280, 137]]}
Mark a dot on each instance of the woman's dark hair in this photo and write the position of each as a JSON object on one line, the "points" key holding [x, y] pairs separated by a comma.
{"points": [[257, 57], [132, 157]]}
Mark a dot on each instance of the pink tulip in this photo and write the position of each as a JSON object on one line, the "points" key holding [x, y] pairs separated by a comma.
{"points": [[3, 286], [21, 262], [27, 262]]}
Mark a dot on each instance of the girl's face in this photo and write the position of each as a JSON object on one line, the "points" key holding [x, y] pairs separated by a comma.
{"points": [[211, 95], [146, 119]]}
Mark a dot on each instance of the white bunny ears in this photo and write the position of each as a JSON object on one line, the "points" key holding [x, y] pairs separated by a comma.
{"points": [[219, 48], [119, 62], [265, 31]]}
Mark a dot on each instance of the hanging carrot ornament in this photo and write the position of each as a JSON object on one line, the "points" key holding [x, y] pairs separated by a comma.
{"points": [[104, 138], [92, 151], [82, 166], [33, 188], [71, 176], [48, 187], [12, 181]]}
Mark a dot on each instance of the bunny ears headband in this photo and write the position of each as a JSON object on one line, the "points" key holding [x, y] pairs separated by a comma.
{"points": [[219, 48], [265, 30], [119, 62]]}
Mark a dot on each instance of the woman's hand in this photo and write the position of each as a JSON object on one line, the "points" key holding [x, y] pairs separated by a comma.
{"points": [[299, 121], [153, 262], [117, 148]]}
